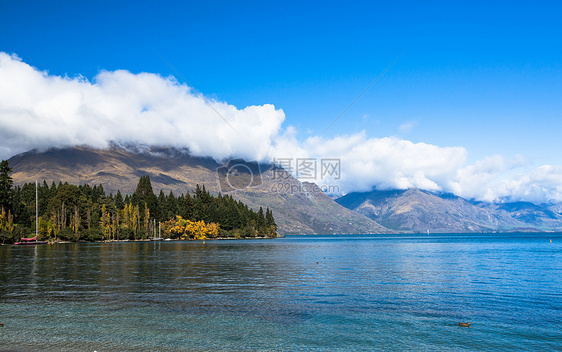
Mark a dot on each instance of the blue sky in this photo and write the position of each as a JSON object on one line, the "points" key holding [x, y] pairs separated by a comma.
{"points": [[483, 76]]}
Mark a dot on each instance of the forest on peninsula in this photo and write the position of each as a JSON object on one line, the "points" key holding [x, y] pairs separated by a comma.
{"points": [[84, 213]]}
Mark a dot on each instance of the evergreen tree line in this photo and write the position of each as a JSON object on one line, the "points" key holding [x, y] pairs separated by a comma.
{"points": [[84, 213]]}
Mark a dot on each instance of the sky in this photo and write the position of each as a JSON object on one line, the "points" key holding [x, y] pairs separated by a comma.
{"points": [[469, 100]]}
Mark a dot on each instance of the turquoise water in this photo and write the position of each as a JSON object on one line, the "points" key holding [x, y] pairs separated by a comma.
{"points": [[312, 293]]}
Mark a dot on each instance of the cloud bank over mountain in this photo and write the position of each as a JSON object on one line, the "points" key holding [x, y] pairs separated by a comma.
{"points": [[39, 110]]}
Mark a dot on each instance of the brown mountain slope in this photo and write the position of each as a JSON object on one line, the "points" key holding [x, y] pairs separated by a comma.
{"points": [[298, 208], [418, 211]]}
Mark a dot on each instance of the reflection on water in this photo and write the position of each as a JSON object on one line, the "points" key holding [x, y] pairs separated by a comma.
{"points": [[315, 293]]}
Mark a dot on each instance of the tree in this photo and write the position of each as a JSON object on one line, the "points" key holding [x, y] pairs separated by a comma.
{"points": [[271, 226], [187, 211], [187, 229], [172, 206], [163, 205], [144, 195], [118, 200], [53, 190], [84, 213], [146, 220], [6, 182], [136, 220], [116, 222], [63, 210], [105, 222], [261, 219], [76, 222], [6, 223], [97, 192]]}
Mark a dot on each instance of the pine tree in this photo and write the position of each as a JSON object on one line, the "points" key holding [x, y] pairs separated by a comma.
{"points": [[53, 190], [268, 218], [6, 182], [163, 206], [187, 210], [260, 221], [118, 200], [172, 206], [145, 195]]}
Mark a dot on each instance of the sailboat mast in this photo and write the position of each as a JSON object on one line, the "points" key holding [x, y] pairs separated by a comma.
{"points": [[36, 210]]}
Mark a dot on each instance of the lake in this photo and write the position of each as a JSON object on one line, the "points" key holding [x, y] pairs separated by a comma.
{"points": [[314, 293]]}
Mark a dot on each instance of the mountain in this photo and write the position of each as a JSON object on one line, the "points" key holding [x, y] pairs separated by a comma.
{"points": [[532, 214], [556, 207], [297, 207], [415, 210]]}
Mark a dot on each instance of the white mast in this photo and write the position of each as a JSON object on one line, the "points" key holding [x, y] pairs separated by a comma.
{"points": [[36, 210]]}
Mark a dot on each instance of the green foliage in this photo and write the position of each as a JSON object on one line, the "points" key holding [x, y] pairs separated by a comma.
{"points": [[118, 200], [84, 213], [230, 214], [144, 196], [6, 182]]}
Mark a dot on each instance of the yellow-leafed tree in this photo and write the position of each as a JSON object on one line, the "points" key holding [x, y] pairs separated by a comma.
{"points": [[7, 221], [146, 219], [105, 222], [187, 229], [75, 224]]}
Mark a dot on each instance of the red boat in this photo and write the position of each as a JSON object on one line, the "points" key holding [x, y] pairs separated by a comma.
{"points": [[33, 240], [29, 241]]}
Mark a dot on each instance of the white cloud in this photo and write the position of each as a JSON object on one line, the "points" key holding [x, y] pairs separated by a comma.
{"points": [[406, 127], [388, 163], [496, 179], [479, 180], [541, 185], [38, 110]]}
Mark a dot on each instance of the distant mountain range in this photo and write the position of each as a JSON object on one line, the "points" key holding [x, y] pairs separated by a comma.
{"points": [[299, 208], [415, 210]]}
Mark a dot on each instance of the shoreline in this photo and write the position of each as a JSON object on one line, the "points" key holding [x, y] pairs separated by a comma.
{"points": [[422, 235], [155, 241]]}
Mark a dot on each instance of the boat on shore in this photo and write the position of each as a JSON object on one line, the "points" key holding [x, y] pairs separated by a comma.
{"points": [[32, 241]]}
